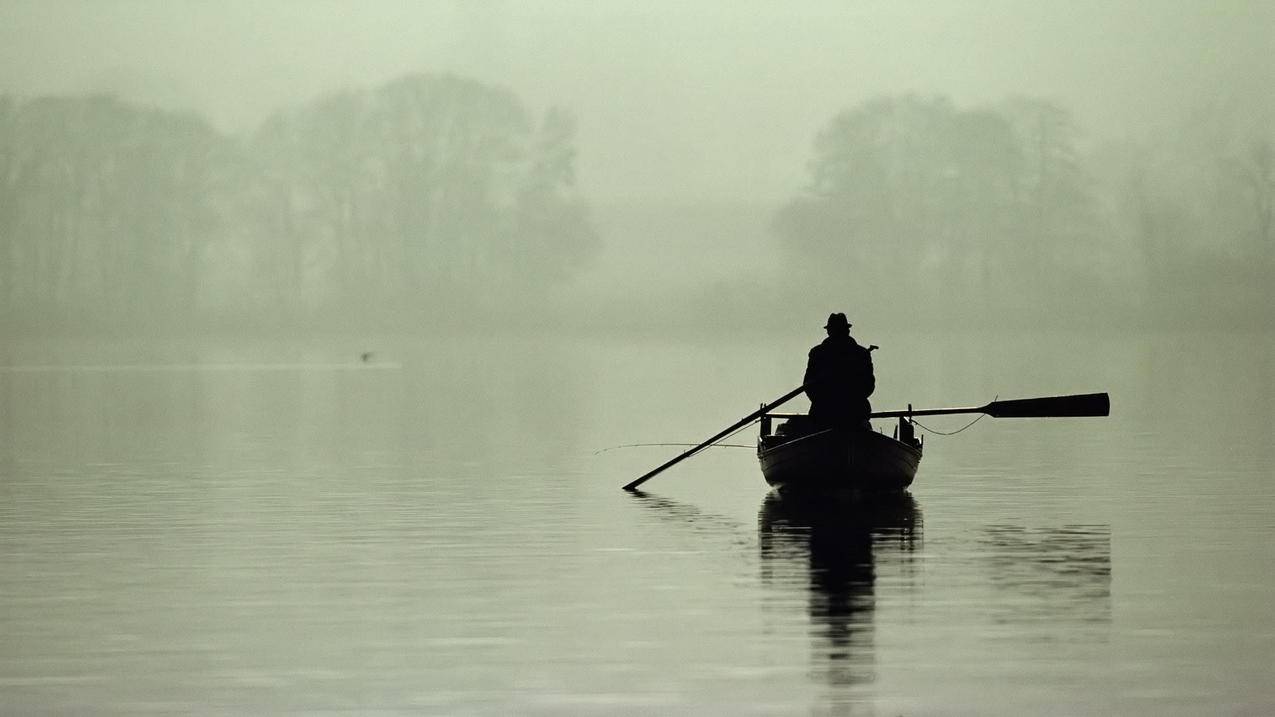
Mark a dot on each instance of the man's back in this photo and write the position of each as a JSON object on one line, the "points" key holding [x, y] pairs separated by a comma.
{"points": [[839, 379]]}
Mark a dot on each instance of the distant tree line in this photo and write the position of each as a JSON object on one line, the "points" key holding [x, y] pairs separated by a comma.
{"points": [[997, 214], [431, 198], [436, 198]]}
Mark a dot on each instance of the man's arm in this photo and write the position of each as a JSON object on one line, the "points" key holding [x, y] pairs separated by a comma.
{"points": [[811, 379], [869, 380]]}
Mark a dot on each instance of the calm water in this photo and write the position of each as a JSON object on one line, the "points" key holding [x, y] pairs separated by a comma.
{"points": [[283, 527]]}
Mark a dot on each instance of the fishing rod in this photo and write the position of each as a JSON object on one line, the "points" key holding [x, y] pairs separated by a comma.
{"points": [[646, 445]]}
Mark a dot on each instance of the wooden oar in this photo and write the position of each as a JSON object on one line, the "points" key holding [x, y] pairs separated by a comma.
{"points": [[722, 434], [1085, 404]]}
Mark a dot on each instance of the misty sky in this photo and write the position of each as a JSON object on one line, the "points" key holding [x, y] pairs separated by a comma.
{"points": [[693, 100]]}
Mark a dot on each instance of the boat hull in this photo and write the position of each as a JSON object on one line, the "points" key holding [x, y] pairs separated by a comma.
{"points": [[838, 461]]}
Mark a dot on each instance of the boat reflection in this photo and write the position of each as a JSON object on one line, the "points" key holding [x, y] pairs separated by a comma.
{"points": [[835, 552]]}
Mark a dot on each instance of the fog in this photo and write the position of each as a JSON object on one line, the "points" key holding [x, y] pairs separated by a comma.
{"points": [[648, 166], [331, 330]]}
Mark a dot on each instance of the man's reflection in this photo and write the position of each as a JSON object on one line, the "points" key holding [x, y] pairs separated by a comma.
{"points": [[835, 551]]}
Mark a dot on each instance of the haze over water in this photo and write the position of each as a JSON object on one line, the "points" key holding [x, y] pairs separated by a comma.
{"points": [[321, 324], [282, 526]]}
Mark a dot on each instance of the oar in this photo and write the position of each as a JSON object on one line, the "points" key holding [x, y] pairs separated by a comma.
{"points": [[722, 434], [1085, 404]]}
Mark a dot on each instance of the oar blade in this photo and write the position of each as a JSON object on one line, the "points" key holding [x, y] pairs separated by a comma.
{"points": [[1086, 404]]}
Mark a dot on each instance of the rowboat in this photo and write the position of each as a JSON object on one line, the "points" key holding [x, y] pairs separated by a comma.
{"points": [[801, 457]]}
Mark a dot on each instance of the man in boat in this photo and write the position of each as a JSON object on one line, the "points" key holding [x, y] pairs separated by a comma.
{"points": [[839, 378]]}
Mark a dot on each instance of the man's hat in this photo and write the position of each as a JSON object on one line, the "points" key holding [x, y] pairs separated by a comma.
{"points": [[837, 321]]}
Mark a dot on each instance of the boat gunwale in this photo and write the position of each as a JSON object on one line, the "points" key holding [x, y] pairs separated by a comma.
{"points": [[888, 441]]}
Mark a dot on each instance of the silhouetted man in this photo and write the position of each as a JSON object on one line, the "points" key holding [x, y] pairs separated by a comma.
{"points": [[839, 378]]}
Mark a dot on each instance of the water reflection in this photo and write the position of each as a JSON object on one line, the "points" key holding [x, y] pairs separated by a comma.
{"points": [[836, 550], [685, 514], [1051, 575]]}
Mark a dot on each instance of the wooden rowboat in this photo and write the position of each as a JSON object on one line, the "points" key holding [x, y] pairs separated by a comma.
{"points": [[858, 460], [806, 459]]}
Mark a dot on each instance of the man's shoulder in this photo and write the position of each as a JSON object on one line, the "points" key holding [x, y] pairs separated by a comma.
{"points": [[839, 346], [824, 347], [835, 343]]}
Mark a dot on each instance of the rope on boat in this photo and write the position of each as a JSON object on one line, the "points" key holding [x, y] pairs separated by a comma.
{"points": [[953, 433], [941, 433]]}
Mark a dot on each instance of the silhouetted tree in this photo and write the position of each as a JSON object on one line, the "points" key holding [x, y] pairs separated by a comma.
{"points": [[916, 196], [432, 191], [433, 194], [105, 206], [1258, 173], [8, 205], [552, 219], [1196, 207], [882, 185], [1057, 225]]}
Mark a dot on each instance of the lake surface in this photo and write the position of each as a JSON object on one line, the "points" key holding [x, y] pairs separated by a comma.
{"points": [[273, 527]]}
